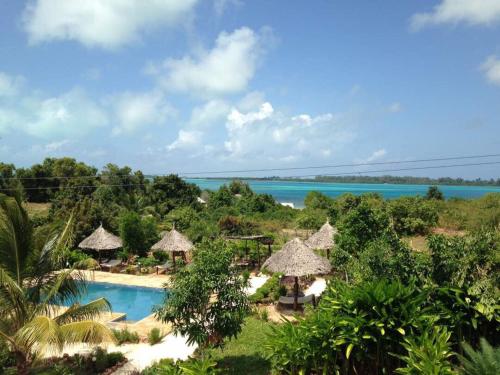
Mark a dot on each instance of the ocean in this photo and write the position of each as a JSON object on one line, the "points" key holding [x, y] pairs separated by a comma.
{"points": [[295, 191]]}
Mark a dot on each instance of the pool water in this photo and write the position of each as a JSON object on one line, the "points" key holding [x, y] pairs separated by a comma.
{"points": [[135, 301]]}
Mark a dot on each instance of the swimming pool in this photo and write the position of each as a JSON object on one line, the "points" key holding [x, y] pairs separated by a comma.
{"points": [[135, 301]]}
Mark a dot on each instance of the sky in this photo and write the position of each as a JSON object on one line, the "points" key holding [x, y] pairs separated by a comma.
{"points": [[213, 85]]}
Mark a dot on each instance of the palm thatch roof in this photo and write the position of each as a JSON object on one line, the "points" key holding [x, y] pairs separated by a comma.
{"points": [[296, 259], [100, 240], [322, 239], [173, 241]]}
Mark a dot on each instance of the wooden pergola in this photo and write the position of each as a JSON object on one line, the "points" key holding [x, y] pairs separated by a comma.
{"points": [[259, 239]]}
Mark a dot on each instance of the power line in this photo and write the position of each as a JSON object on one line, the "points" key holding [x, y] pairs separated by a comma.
{"points": [[347, 165], [303, 176], [400, 169], [268, 169]]}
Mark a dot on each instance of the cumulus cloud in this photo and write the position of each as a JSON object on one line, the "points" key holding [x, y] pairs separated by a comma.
{"points": [[265, 134], [71, 114], [186, 140], [208, 113], [471, 12], [133, 111], [226, 68], [491, 69], [101, 23], [10, 85]]}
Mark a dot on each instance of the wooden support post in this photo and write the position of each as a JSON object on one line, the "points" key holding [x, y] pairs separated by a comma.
{"points": [[296, 294]]}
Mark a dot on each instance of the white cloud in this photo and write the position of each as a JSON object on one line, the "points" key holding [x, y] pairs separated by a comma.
{"points": [[265, 135], [395, 107], [57, 145], [472, 12], [69, 115], [375, 156], [101, 23], [221, 5], [491, 69], [227, 68], [208, 113], [186, 140], [133, 111], [10, 85]]}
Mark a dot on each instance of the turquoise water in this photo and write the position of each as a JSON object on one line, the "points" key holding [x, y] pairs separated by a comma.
{"points": [[295, 191], [137, 302]]}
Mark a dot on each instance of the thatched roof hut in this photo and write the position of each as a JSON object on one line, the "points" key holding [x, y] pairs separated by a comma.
{"points": [[174, 242], [101, 240], [322, 239], [296, 259]]}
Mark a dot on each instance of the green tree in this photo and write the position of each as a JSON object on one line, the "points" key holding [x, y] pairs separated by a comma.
{"points": [[31, 288], [169, 192], [360, 225], [206, 300], [434, 193], [137, 234]]}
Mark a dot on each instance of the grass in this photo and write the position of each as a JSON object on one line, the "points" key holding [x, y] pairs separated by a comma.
{"points": [[243, 355], [37, 209]]}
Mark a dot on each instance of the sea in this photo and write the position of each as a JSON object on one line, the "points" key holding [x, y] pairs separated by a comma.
{"points": [[295, 191]]}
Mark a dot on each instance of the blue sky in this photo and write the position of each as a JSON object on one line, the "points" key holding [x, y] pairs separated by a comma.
{"points": [[192, 85]]}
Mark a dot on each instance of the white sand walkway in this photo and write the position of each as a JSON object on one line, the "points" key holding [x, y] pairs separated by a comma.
{"points": [[317, 287], [255, 282], [141, 356]]}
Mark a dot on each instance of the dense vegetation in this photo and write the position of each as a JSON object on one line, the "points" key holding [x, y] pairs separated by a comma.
{"points": [[390, 307]]}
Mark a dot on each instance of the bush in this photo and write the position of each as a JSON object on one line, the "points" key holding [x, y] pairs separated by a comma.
{"points": [[161, 256], [125, 336], [199, 366], [148, 262], [76, 256], [485, 361], [429, 353], [155, 336], [270, 291]]}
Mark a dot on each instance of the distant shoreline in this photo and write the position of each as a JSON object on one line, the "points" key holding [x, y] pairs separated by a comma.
{"points": [[395, 180]]}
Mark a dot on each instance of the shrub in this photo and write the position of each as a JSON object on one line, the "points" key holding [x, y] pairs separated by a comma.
{"points": [[148, 262], [160, 256], [485, 361], [155, 336], [125, 336], [270, 291], [429, 353], [199, 366]]}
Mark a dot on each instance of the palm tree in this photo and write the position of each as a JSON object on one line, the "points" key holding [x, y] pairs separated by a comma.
{"points": [[32, 289]]}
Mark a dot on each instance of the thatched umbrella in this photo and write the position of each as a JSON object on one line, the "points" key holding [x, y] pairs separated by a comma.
{"points": [[101, 240], [297, 260], [175, 243], [323, 239]]}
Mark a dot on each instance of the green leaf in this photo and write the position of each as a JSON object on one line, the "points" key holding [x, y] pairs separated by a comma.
{"points": [[349, 350], [401, 330]]}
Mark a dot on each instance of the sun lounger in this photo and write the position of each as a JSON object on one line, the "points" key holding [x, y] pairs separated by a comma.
{"points": [[311, 298], [111, 264], [163, 268]]}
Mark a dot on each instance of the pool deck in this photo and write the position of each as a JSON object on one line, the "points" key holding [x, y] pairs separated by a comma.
{"points": [[151, 281]]}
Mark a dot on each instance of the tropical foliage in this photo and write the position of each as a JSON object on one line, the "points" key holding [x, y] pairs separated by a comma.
{"points": [[32, 288], [206, 301]]}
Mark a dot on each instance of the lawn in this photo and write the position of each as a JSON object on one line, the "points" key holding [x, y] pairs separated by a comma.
{"points": [[243, 355]]}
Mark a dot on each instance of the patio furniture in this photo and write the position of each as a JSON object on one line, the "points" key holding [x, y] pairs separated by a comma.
{"points": [[311, 298], [163, 268], [111, 264]]}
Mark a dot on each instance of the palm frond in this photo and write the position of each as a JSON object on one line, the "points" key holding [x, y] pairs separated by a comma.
{"points": [[40, 335], [12, 298], [77, 313], [15, 237], [86, 331]]}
